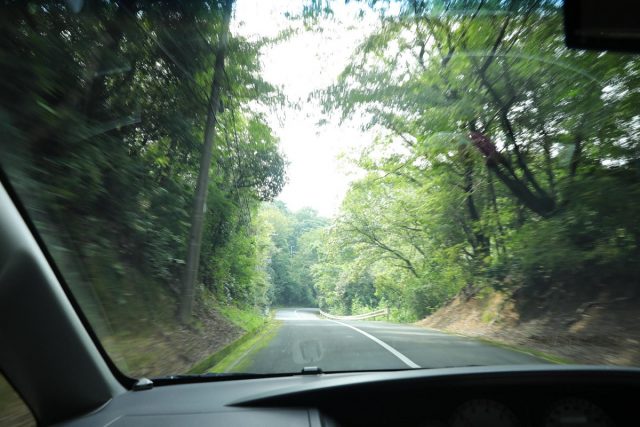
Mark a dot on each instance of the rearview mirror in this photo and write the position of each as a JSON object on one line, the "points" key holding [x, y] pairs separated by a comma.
{"points": [[598, 25]]}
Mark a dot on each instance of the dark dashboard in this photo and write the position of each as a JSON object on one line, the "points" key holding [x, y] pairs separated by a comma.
{"points": [[517, 405], [473, 396]]}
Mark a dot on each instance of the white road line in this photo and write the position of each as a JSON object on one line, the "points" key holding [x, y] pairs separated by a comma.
{"points": [[410, 363]]}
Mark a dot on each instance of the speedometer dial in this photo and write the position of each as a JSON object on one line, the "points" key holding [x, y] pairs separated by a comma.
{"points": [[576, 412], [483, 413]]}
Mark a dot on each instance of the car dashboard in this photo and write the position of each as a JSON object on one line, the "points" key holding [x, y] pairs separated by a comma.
{"points": [[470, 396]]}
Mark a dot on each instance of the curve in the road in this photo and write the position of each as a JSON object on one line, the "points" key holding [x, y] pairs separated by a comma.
{"points": [[303, 340], [410, 363]]}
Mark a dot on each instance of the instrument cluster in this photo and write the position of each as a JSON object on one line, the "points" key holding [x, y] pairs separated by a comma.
{"points": [[561, 412]]}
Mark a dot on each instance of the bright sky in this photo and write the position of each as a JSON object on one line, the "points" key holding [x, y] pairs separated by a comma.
{"points": [[306, 62]]}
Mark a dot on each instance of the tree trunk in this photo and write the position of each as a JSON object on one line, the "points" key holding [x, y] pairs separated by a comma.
{"points": [[548, 163], [496, 212], [480, 242], [542, 204], [575, 157], [199, 203]]}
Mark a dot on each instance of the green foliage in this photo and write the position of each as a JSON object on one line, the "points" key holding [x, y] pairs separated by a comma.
{"points": [[295, 241], [102, 115], [501, 157], [594, 240], [238, 356], [248, 319]]}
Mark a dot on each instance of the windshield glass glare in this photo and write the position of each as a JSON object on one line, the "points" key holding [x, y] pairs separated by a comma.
{"points": [[239, 186]]}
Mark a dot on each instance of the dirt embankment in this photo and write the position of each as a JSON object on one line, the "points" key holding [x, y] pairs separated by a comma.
{"points": [[592, 325], [172, 349]]}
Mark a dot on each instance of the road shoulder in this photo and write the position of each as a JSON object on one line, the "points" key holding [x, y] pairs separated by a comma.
{"points": [[241, 355]]}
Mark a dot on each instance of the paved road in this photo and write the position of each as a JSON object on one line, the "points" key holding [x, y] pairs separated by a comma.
{"points": [[304, 340]]}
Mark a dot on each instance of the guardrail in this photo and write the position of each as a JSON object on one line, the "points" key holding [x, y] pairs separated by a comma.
{"points": [[377, 313]]}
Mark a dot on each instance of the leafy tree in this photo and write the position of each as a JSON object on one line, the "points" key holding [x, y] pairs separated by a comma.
{"points": [[495, 148], [296, 237], [199, 202], [104, 110]]}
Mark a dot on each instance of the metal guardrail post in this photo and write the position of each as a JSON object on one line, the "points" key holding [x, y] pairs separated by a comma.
{"points": [[376, 313]]}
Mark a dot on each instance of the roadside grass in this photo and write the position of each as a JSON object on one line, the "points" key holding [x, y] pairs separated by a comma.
{"points": [[240, 355], [245, 317], [125, 350], [251, 321], [552, 358], [13, 410]]}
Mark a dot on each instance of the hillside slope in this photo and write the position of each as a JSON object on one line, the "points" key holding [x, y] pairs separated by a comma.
{"points": [[170, 349], [593, 325]]}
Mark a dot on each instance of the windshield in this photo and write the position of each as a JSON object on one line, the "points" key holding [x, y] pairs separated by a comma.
{"points": [[266, 187]]}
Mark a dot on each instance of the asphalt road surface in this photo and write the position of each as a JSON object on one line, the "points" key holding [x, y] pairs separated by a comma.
{"points": [[305, 340]]}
